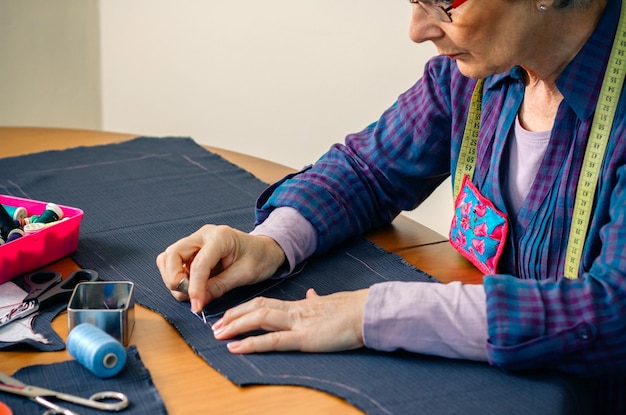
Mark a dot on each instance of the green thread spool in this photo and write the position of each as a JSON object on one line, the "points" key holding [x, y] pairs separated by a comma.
{"points": [[51, 214]]}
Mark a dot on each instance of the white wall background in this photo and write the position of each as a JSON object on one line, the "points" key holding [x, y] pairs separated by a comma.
{"points": [[279, 79], [50, 63]]}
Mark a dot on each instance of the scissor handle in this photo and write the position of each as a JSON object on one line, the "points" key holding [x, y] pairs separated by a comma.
{"points": [[40, 281], [104, 401], [63, 291], [120, 398]]}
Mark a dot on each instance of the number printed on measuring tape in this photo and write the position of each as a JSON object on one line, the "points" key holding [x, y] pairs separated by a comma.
{"points": [[467, 154]]}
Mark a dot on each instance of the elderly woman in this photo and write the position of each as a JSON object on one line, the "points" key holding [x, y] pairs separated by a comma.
{"points": [[524, 78]]}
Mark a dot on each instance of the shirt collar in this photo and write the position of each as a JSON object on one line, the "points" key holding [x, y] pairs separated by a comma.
{"points": [[582, 78]]}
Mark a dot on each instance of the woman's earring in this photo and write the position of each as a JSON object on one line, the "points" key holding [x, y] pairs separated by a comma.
{"points": [[542, 7]]}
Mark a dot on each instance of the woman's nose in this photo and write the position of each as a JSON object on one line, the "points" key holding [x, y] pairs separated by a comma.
{"points": [[423, 26]]}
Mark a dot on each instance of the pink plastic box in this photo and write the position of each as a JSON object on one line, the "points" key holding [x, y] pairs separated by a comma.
{"points": [[34, 250]]}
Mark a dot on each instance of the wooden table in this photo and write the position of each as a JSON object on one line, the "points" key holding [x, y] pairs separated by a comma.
{"points": [[187, 384]]}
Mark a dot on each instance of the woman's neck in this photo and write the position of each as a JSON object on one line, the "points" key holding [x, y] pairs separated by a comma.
{"points": [[566, 32]]}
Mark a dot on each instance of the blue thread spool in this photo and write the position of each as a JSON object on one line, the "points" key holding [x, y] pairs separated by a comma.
{"points": [[96, 350], [51, 214], [16, 212]]}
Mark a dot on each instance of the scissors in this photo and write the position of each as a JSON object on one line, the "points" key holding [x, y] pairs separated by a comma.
{"points": [[46, 288], [104, 401]]}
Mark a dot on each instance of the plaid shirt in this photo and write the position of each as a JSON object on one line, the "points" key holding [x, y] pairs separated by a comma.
{"points": [[536, 317]]}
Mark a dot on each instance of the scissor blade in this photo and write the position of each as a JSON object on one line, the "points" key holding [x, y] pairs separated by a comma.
{"points": [[8, 380], [19, 311], [14, 386]]}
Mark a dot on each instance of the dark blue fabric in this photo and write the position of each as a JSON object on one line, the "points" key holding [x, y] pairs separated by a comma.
{"points": [[142, 195], [71, 377]]}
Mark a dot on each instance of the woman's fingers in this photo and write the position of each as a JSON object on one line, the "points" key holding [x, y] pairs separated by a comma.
{"points": [[269, 320], [273, 341], [258, 314], [215, 259], [272, 316], [314, 324]]}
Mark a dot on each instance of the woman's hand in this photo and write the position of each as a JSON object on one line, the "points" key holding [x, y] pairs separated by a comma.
{"points": [[217, 259], [316, 324]]}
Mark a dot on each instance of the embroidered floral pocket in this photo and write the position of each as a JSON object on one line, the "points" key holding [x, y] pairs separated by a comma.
{"points": [[478, 229]]}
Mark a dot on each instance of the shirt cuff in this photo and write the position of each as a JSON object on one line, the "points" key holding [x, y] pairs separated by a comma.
{"points": [[295, 235], [448, 320]]}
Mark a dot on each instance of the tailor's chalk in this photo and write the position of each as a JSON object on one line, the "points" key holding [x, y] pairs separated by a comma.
{"points": [[52, 213], [96, 350]]}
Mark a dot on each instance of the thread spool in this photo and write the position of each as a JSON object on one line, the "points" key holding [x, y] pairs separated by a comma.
{"points": [[28, 220], [16, 212], [52, 213], [96, 350], [7, 224], [16, 233], [34, 227]]}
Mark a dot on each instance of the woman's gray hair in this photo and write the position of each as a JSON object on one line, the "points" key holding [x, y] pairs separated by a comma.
{"points": [[583, 4]]}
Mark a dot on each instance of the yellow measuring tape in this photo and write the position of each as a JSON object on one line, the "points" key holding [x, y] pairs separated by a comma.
{"points": [[594, 152], [596, 147], [467, 153]]}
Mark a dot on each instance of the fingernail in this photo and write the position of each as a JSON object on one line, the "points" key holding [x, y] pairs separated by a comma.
{"points": [[218, 324], [218, 331], [234, 346], [195, 306]]}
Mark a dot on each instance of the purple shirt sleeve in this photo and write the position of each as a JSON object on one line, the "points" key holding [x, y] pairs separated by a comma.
{"points": [[445, 320], [448, 320], [295, 235]]}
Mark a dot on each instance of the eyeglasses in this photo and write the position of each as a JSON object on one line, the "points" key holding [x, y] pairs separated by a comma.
{"points": [[439, 9]]}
